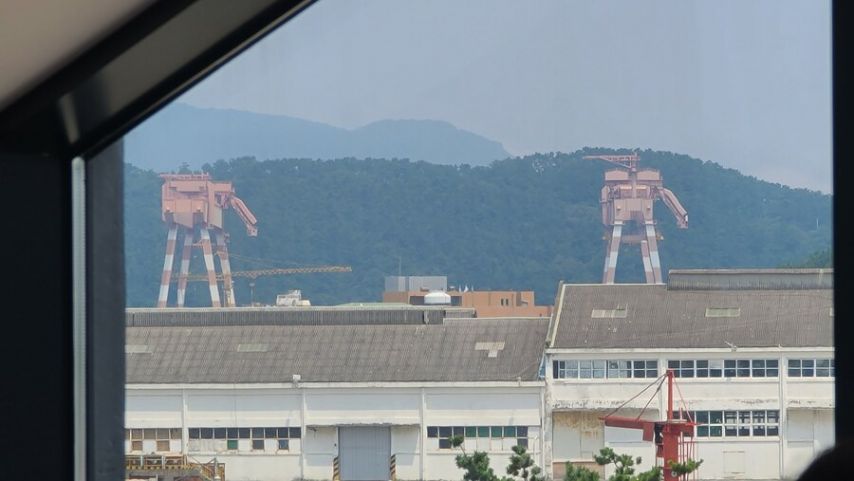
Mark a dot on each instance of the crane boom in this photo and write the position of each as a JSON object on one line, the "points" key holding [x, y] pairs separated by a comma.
{"points": [[254, 274], [672, 203], [245, 215]]}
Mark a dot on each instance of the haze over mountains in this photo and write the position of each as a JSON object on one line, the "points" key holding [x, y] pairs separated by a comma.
{"points": [[182, 133]]}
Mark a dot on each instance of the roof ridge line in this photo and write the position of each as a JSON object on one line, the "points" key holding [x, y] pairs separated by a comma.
{"points": [[552, 331]]}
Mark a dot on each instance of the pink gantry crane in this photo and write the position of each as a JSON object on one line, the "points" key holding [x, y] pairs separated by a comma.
{"points": [[191, 201], [627, 199]]}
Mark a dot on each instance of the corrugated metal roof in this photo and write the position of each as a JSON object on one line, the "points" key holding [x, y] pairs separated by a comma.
{"points": [[660, 318], [272, 316], [339, 353], [750, 279]]}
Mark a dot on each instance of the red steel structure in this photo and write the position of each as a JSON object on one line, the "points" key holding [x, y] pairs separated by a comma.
{"points": [[673, 438], [627, 200], [191, 203]]}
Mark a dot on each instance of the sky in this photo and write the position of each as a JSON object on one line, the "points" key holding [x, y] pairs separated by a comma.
{"points": [[746, 84]]}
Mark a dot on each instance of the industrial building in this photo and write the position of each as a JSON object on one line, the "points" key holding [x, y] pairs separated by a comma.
{"points": [[427, 290], [355, 393], [282, 394], [752, 351]]}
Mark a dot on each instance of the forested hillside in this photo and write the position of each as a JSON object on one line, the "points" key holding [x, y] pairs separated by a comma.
{"points": [[520, 223]]}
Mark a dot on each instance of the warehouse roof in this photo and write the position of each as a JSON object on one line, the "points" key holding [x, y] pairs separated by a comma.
{"points": [[493, 350], [653, 316], [272, 316]]}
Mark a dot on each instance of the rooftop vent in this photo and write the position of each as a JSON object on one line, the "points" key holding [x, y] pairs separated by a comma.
{"points": [[618, 313], [492, 347], [723, 311], [251, 348]]}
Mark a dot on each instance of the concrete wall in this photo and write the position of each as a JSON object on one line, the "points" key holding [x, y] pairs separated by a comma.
{"points": [[319, 410], [805, 408], [809, 432]]}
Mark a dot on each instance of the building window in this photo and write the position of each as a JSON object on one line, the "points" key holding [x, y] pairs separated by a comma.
{"points": [[632, 369], [159, 437], [591, 369], [764, 367], [619, 369], [811, 368], [228, 439], [716, 424], [709, 368], [682, 368], [595, 369], [565, 369], [444, 433]]}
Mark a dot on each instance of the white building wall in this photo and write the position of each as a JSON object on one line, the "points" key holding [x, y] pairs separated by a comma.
{"points": [[216, 408], [320, 448], [503, 407], [809, 432], [334, 407], [250, 467], [406, 446], [159, 409], [805, 408], [318, 411]]}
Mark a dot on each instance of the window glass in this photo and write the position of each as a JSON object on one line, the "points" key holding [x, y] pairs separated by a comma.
{"points": [[419, 151]]}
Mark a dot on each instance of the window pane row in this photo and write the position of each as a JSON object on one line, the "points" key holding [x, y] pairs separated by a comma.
{"points": [[445, 432], [155, 434], [714, 424], [705, 368], [811, 368], [223, 445], [245, 433], [590, 369]]}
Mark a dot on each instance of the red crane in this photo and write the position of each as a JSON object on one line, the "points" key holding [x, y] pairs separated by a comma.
{"points": [[670, 435], [628, 198], [194, 202]]}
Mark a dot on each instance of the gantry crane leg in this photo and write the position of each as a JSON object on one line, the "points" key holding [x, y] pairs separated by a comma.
{"points": [[227, 285], [185, 265], [651, 239], [209, 265], [647, 263], [612, 254], [167, 266]]}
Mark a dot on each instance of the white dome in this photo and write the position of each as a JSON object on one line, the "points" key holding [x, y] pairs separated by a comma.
{"points": [[437, 298]]}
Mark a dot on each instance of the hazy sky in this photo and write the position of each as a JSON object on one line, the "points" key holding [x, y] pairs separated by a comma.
{"points": [[746, 84]]}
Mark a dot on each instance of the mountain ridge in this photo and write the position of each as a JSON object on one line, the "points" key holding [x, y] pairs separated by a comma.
{"points": [[181, 133]]}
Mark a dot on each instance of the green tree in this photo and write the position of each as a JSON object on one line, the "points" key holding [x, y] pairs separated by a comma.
{"points": [[579, 473], [818, 259], [476, 465], [625, 467], [522, 465]]}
